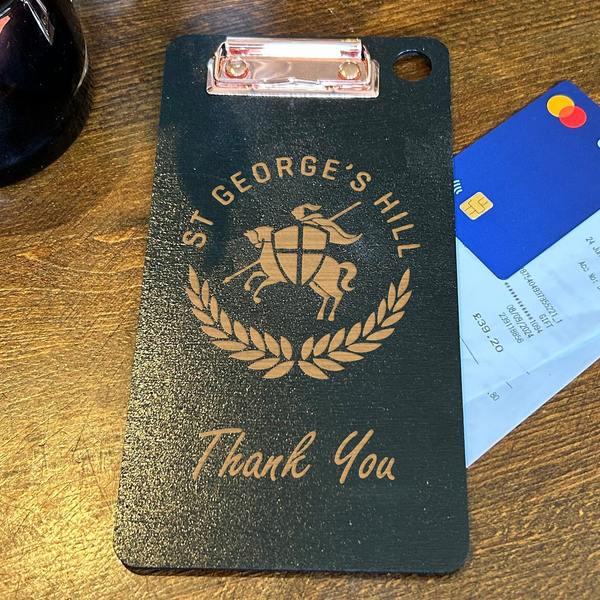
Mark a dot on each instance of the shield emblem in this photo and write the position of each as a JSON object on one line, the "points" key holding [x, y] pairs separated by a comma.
{"points": [[299, 251]]}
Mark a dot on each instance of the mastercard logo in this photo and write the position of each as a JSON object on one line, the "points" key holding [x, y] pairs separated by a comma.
{"points": [[564, 109]]}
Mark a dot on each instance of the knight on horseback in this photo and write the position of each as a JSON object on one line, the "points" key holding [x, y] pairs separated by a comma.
{"points": [[296, 254]]}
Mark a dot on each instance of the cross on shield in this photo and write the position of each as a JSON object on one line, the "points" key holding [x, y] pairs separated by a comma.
{"points": [[299, 251]]}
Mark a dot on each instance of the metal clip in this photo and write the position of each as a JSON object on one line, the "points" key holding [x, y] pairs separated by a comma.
{"points": [[293, 67]]}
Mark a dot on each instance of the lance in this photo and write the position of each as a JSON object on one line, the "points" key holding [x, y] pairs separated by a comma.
{"points": [[228, 279], [343, 212]]}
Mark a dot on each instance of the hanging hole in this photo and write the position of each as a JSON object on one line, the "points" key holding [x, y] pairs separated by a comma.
{"points": [[412, 66]]}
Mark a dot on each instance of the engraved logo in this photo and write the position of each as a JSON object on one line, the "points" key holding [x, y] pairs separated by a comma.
{"points": [[303, 254]]}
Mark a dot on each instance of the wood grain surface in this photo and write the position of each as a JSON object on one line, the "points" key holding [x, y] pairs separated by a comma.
{"points": [[72, 244]]}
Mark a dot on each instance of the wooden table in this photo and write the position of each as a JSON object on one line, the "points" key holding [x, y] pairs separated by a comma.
{"points": [[72, 248]]}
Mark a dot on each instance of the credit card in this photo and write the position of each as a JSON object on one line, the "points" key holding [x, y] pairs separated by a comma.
{"points": [[529, 182]]}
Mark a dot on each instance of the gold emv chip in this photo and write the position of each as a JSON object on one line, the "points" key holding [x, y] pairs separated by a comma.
{"points": [[476, 205]]}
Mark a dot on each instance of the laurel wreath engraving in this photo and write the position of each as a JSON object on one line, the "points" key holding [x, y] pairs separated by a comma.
{"points": [[263, 352]]}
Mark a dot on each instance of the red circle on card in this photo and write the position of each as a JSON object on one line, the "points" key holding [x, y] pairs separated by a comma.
{"points": [[572, 116]]}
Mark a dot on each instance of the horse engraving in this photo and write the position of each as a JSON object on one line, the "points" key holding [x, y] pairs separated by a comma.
{"points": [[297, 255]]}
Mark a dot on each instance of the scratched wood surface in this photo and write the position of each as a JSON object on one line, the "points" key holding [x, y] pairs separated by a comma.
{"points": [[71, 253]]}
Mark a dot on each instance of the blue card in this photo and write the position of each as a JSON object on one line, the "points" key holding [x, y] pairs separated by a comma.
{"points": [[530, 181]]}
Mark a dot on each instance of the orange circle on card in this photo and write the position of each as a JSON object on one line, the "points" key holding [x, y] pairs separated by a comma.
{"points": [[558, 103]]}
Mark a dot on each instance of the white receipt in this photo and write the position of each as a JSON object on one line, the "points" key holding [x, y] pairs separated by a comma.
{"points": [[524, 338], [488, 421]]}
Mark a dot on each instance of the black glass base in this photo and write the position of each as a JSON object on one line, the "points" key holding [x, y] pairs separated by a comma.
{"points": [[45, 85]]}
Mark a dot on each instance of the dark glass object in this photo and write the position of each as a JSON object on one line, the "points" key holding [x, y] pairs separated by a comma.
{"points": [[44, 84]]}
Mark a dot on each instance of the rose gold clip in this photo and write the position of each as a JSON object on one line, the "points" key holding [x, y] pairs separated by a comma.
{"points": [[293, 67]]}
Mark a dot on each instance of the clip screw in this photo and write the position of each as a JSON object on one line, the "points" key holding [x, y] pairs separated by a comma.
{"points": [[236, 68], [349, 70]]}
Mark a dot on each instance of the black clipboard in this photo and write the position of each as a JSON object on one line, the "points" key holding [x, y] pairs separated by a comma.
{"points": [[296, 393]]}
